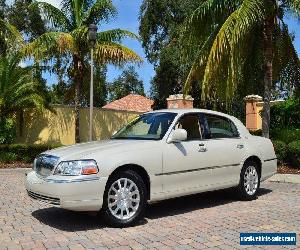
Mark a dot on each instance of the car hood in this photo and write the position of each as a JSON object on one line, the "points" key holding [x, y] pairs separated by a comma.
{"points": [[87, 150]]}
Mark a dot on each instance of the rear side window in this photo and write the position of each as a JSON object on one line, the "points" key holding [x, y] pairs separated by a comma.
{"points": [[220, 127]]}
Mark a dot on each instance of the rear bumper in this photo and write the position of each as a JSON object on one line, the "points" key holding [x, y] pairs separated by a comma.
{"points": [[77, 194], [269, 168]]}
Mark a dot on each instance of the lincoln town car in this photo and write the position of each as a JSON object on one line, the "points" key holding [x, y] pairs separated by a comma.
{"points": [[159, 155]]}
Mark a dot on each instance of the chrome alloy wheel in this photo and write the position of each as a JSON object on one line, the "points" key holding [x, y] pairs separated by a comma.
{"points": [[123, 199], [250, 180]]}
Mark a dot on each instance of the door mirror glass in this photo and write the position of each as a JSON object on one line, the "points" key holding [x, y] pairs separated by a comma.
{"points": [[177, 135]]}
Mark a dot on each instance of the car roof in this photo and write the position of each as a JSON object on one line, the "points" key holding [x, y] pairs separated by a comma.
{"points": [[184, 111]]}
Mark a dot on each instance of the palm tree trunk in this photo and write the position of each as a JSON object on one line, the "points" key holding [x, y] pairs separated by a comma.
{"points": [[268, 69], [78, 78]]}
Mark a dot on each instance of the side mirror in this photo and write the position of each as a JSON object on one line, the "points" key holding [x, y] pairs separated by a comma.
{"points": [[177, 135]]}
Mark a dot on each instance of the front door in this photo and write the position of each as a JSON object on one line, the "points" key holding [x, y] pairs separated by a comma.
{"points": [[184, 163]]}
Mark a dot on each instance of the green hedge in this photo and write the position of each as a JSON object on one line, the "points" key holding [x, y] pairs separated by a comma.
{"points": [[288, 153], [286, 135], [22, 152], [294, 153], [281, 151]]}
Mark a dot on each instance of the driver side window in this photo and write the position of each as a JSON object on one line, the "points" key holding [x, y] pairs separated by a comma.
{"points": [[192, 125]]}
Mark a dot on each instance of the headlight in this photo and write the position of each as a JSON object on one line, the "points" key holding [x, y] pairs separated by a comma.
{"points": [[73, 168]]}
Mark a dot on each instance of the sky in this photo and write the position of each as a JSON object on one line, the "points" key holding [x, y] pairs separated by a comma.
{"points": [[128, 13]]}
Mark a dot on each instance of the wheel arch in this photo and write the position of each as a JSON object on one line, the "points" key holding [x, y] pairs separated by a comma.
{"points": [[136, 168], [257, 160]]}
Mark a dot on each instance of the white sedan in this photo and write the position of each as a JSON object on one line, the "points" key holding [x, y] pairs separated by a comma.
{"points": [[159, 155]]}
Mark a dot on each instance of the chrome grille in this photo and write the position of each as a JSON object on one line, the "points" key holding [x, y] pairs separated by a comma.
{"points": [[50, 200], [44, 164]]}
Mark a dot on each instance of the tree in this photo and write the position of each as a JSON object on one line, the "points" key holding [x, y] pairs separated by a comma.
{"points": [[127, 83], [236, 39], [160, 32], [70, 38], [26, 19], [19, 88], [62, 92], [101, 92]]}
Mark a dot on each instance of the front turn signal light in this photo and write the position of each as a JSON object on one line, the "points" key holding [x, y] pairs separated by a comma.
{"points": [[87, 170]]}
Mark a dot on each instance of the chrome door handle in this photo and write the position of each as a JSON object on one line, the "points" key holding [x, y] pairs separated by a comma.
{"points": [[202, 148], [240, 146]]}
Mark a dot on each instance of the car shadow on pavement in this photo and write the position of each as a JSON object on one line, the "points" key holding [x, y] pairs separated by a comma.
{"points": [[190, 203], [81, 221], [66, 220]]}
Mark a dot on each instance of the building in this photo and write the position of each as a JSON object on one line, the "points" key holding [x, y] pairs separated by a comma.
{"points": [[135, 103]]}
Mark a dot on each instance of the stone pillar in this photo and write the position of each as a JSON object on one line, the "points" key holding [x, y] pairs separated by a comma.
{"points": [[178, 102], [252, 112]]}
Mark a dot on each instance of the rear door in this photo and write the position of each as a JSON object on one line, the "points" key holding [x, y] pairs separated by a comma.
{"points": [[225, 149]]}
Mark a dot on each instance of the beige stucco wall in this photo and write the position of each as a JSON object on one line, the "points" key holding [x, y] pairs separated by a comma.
{"points": [[59, 127]]}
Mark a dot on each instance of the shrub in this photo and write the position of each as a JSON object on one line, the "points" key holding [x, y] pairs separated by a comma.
{"points": [[286, 135], [23, 152], [7, 157], [8, 131], [286, 114], [294, 153], [281, 151]]}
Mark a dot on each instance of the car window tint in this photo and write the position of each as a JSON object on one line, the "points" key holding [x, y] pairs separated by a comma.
{"points": [[192, 126], [151, 126], [221, 127]]}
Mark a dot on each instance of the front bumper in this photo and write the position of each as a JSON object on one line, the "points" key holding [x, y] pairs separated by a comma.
{"points": [[84, 193]]}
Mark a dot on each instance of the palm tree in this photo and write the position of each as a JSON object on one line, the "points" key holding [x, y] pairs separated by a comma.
{"points": [[230, 41], [70, 38], [10, 38], [19, 88]]}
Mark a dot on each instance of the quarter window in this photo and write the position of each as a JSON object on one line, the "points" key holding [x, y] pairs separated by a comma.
{"points": [[220, 127]]}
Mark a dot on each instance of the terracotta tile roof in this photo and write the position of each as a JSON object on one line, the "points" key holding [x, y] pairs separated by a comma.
{"points": [[131, 102]]}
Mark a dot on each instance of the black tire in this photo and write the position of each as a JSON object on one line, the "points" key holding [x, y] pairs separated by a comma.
{"points": [[243, 194], [106, 213]]}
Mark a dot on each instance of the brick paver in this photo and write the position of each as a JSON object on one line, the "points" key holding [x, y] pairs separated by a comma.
{"points": [[205, 221]]}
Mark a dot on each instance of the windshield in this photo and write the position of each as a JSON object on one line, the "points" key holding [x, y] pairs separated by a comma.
{"points": [[150, 126]]}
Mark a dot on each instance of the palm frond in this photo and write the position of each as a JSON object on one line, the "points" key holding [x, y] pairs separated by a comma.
{"points": [[198, 66], [208, 14], [294, 5], [11, 33], [19, 88], [114, 53], [115, 35], [53, 14], [101, 10], [239, 23], [80, 34], [48, 44]]}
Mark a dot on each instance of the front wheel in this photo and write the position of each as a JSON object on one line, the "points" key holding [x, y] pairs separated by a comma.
{"points": [[249, 181], [124, 199]]}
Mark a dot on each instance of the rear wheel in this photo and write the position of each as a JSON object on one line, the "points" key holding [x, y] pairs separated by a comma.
{"points": [[124, 199], [249, 181]]}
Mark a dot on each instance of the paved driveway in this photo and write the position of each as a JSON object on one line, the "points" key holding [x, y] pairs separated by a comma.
{"points": [[211, 220]]}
